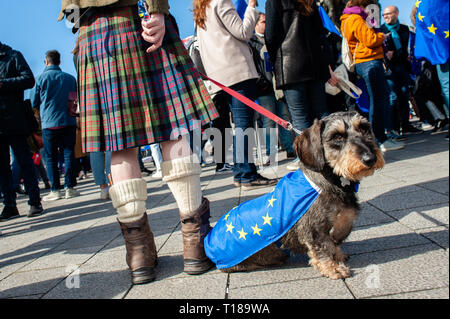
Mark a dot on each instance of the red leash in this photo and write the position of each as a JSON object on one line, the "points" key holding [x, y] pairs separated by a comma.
{"points": [[258, 108]]}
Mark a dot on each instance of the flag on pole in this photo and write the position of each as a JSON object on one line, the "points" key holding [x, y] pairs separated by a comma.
{"points": [[432, 32], [255, 224], [327, 23], [241, 6]]}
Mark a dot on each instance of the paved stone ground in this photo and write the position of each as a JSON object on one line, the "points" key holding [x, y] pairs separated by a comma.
{"points": [[398, 248]]}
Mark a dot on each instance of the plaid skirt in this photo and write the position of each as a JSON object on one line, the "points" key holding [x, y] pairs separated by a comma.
{"points": [[129, 98]]}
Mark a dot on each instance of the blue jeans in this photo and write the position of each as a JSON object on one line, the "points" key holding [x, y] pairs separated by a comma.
{"points": [[64, 140], [372, 73], [397, 112], [442, 71], [23, 156], [243, 117], [279, 108], [101, 166], [306, 102]]}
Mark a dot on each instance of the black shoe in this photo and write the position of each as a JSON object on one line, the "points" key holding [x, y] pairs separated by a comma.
{"points": [[9, 213], [259, 181], [19, 190], [411, 130], [35, 210]]}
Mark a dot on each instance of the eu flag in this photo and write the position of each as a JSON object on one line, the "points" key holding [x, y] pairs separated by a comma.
{"points": [[255, 224], [432, 32], [327, 23], [241, 6]]}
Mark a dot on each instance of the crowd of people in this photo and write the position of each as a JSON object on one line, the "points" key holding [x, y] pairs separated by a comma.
{"points": [[147, 91]]}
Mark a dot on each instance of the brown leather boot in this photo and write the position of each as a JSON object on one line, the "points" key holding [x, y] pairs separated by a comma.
{"points": [[194, 227], [141, 250]]}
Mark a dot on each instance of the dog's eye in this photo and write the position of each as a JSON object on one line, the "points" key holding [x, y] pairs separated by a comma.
{"points": [[338, 137]]}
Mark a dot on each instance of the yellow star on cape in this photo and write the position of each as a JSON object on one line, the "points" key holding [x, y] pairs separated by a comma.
{"points": [[242, 234], [256, 230], [271, 201], [226, 216], [432, 29], [267, 219], [230, 228], [420, 16], [418, 3], [446, 34]]}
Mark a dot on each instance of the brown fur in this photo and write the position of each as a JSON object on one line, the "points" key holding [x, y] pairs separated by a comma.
{"points": [[340, 145]]}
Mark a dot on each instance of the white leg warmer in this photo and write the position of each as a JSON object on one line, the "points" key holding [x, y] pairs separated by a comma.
{"points": [[182, 175], [128, 197]]}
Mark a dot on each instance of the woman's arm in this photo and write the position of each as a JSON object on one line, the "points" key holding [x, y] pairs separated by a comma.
{"points": [[240, 29]]}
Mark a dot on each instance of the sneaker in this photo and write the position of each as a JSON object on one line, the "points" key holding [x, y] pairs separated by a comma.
{"points": [[35, 210], [226, 168], [53, 195], [411, 130], [104, 193], [157, 174], [259, 181], [390, 145], [9, 213], [71, 192], [293, 166], [396, 137]]}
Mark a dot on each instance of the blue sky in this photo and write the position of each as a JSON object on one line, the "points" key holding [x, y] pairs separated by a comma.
{"points": [[31, 27]]}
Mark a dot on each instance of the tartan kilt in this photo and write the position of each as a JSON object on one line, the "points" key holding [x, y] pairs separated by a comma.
{"points": [[129, 98]]}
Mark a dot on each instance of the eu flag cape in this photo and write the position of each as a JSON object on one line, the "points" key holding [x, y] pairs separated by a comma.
{"points": [[257, 223], [432, 34]]}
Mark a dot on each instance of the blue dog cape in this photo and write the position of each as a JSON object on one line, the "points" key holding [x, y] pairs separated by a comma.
{"points": [[255, 224]]}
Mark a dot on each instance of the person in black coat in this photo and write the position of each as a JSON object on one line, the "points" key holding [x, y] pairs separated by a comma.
{"points": [[397, 75], [301, 56], [15, 78]]}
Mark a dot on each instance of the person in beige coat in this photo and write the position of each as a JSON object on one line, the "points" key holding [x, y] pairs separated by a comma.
{"points": [[227, 58]]}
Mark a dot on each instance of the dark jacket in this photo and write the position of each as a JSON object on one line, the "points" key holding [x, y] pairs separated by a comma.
{"points": [[264, 84], [296, 44], [15, 78], [400, 56]]}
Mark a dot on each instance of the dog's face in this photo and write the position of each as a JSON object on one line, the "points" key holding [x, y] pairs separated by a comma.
{"points": [[345, 142]]}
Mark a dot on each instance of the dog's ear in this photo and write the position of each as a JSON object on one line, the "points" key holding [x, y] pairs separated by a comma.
{"points": [[309, 148]]}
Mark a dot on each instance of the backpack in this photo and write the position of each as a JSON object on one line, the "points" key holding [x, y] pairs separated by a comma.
{"points": [[347, 56]]}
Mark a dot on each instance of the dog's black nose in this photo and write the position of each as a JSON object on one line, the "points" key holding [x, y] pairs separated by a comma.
{"points": [[369, 159]]}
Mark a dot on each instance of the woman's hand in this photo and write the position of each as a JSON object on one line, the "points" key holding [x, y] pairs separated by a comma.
{"points": [[334, 80], [252, 3], [154, 30]]}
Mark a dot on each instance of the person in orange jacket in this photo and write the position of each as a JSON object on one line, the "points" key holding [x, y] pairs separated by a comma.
{"points": [[366, 46]]}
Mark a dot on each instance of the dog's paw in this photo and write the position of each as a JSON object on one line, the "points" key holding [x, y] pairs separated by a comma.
{"points": [[335, 271]]}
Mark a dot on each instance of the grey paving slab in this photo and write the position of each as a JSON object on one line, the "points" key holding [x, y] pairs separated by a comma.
{"points": [[401, 234], [438, 235], [440, 293], [381, 237], [398, 271], [317, 288], [31, 282], [209, 286], [422, 217], [419, 198]]}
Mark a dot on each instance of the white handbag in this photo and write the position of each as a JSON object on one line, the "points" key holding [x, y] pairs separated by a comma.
{"points": [[344, 84], [347, 56]]}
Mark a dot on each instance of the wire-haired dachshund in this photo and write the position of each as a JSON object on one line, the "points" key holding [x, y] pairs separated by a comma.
{"points": [[335, 153]]}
